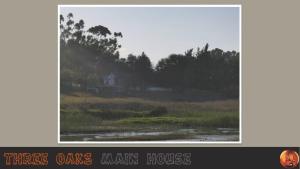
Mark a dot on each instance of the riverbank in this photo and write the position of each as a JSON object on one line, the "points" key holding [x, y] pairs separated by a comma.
{"points": [[129, 119]]}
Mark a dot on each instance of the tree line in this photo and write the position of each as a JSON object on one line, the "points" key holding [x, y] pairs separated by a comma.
{"points": [[87, 55]]}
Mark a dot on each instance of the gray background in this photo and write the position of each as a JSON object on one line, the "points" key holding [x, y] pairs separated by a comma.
{"points": [[270, 71]]}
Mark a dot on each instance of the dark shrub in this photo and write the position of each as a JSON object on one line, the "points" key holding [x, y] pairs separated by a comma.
{"points": [[158, 111]]}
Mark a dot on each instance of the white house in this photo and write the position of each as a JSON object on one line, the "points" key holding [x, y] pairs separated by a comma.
{"points": [[109, 80]]}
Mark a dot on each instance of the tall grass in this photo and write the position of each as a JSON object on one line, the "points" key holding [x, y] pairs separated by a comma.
{"points": [[141, 104], [209, 121], [91, 113]]}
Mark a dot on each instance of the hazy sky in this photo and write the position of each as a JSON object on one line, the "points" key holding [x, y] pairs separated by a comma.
{"points": [[162, 31]]}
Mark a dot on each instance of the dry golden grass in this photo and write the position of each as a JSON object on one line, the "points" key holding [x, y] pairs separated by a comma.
{"points": [[221, 105]]}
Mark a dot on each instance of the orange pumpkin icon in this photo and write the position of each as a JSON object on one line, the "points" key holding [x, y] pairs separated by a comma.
{"points": [[289, 159]]}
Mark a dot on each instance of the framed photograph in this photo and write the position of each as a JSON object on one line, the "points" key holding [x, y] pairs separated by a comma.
{"points": [[149, 74]]}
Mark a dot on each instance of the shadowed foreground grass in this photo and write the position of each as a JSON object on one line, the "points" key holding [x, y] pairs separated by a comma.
{"points": [[91, 114]]}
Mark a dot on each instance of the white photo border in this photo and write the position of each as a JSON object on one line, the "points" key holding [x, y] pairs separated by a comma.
{"points": [[154, 142]]}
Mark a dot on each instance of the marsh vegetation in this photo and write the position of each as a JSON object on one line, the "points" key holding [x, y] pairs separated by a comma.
{"points": [[95, 118]]}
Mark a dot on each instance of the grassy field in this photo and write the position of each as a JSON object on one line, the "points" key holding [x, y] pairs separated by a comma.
{"points": [[82, 113]]}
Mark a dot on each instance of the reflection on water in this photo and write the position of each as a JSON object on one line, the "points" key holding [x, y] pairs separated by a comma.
{"points": [[193, 135]]}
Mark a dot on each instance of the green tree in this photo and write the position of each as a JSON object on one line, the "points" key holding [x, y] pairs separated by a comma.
{"points": [[86, 55]]}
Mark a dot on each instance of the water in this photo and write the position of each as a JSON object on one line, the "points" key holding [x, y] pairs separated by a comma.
{"points": [[184, 135]]}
